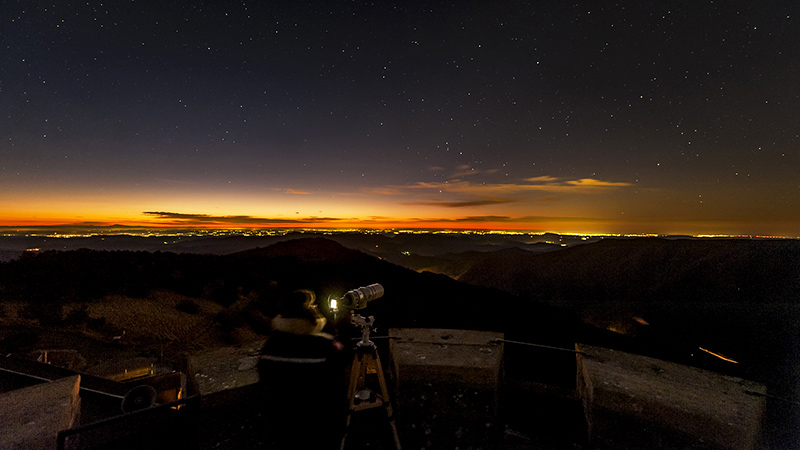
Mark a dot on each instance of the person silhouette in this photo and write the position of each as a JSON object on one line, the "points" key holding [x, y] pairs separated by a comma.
{"points": [[302, 375]]}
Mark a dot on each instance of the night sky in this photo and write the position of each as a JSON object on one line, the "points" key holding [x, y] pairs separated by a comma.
{"points": [[626, 117]]}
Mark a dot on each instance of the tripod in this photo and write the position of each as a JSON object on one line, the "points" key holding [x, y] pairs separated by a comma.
{"points": [[366, 361]]}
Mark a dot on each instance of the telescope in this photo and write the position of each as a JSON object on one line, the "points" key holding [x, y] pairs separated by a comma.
{"points": [[365, 359], [357, 298]]}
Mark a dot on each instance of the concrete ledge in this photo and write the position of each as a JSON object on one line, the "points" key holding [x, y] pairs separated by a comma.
{"points": [[457, 357], [447, 384], [231, 404], [223, 369], [632, 401], [31, 417]]}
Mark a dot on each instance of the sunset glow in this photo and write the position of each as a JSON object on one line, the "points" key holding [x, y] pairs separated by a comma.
{"points": [[579, 118]]}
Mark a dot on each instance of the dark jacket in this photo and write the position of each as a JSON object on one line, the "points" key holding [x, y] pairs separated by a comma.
{"points": [[302, 377], [295, 348]]}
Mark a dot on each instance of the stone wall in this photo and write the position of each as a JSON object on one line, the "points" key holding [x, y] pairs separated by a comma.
{"points": [[31, 417], [632, 401]]}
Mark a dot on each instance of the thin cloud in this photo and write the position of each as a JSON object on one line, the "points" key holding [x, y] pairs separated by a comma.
{"points": [[542, 179], [183, 219], [388, 191], [207, 219], [483, 194], [484, 219], [589, 182], [549, 199], [171, 181], [461, 204], [459, 193], [561, 219], [294, 191], [545, 184], [469, 171], [508, 219], [476, 219]]}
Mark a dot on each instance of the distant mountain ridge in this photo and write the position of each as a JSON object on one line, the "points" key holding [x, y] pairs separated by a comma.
{"points": [[393, 247], [313, 249], [649, 269]]}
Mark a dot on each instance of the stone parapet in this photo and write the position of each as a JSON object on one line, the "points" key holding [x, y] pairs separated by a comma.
{"points": [[458, 357], [447, 384], [31, 417], [633, 401]]}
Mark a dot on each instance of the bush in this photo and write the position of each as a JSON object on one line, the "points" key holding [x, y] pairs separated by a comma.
{"points": [[78, 316], [228, 321], [188, 306], [47, 313], [96, 323], [20, 341]]}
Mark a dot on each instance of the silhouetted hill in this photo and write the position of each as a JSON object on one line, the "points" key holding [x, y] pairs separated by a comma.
{"points": [[436, 252], [411, 299], [250, 285], [262, 275], [456, 264], [677, 279], [649, 269], [308, 250]]}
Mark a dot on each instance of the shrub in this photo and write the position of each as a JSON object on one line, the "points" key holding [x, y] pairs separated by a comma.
{"points": [[78, 316], [96, 323], [188, 306], [20, 341], [47, 313], [228, 321]]}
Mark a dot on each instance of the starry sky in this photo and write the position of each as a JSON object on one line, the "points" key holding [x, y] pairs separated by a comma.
{"points": [[672, 117]]}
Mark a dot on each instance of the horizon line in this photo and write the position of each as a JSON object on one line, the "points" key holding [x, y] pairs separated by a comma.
{"points": [[417, 229]]}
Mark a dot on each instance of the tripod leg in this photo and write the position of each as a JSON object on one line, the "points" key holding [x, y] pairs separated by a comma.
{"points": [[368, 362], [381, 379], [387, 402], [355, 371], [355, 375]]}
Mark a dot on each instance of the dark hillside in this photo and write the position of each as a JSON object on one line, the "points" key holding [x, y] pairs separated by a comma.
{"points": [[412, 299], [650, 269], [85, 275], [456, 264], [249, 286], [676, 298], [259, 276]]}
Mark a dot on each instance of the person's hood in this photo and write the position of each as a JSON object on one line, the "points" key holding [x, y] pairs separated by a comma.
{"points": [[298, 326]]}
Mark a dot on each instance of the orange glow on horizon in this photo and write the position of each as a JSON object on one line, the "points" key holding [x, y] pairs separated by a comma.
{"points": [[350, 224], [589, 206], [359, 212], [56, 220], [577, 227]]}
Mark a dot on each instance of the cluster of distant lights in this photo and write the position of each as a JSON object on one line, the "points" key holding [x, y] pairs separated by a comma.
{"points": [[268, 232], [284, 231]]}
